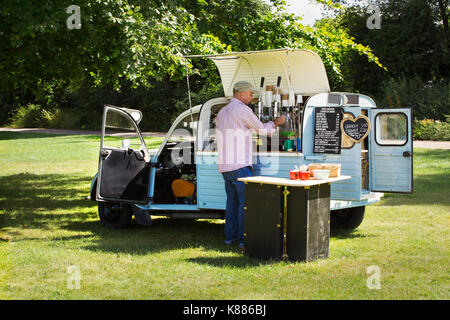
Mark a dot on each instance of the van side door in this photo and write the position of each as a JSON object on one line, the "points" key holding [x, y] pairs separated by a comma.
{"points": [[123, 164], [391, 151]]}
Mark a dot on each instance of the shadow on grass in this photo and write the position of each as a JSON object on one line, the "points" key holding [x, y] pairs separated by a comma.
{"points": [[37, 201], [55, 202], [340, 234], [233, 262], [30, 201], [166, 235]]}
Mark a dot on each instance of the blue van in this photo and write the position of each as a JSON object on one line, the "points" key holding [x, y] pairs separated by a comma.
{"points": [[180, 179]]}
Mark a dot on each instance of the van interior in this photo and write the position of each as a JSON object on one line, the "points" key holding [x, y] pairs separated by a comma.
{"points": [[176, 176]]}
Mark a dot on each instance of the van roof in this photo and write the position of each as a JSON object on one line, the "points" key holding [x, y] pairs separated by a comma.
{"points": [[302, 71]]}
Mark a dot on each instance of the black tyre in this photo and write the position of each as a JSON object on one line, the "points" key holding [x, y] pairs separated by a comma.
{"points": [[115, 215], [349, 218]]}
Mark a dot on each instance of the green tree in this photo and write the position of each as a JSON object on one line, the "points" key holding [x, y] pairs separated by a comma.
{"points": [[120, 42], [131, 44], [136, 40], [412, 44], [247, 25], [412, 41]]}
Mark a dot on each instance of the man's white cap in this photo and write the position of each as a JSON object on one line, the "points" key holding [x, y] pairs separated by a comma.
{"points": [[243, 86]]}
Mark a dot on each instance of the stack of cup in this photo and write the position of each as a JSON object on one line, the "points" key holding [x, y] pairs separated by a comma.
{"points": [[294, 174]]}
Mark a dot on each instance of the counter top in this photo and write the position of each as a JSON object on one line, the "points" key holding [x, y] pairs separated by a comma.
{"points": [[291, 183], [259, 153]]}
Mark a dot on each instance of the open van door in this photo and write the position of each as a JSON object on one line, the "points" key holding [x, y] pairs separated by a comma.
{"points": [[123, 164], [391, 150]]}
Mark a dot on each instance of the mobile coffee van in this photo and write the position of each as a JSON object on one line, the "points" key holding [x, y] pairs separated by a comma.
{"points": [[180, 179]]}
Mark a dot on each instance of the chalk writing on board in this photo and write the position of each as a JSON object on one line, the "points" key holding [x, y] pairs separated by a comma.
{"points": [[327, 130], [356, 129]]}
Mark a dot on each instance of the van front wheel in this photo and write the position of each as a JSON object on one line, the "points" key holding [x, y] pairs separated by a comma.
{"points": [[114, 215], [349, 218]]}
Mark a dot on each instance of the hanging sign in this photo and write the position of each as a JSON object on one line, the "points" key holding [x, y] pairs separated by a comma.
{"points": [[356, 129], [327, 132]]}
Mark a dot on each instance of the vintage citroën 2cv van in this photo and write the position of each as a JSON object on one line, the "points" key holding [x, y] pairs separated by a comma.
{"points": [[180, 179]]}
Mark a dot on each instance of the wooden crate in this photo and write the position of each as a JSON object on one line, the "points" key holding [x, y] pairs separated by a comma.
{"points": [[335, 168]]}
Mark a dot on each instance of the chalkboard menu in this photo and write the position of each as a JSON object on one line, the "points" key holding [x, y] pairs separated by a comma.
{"points": [[327, 130]]}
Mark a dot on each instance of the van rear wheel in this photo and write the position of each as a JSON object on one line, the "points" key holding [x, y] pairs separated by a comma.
{"points": [[115, 215], [349, 218]]}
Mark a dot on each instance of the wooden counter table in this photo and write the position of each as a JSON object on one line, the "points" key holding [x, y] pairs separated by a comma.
{"points": [[287, 219]]}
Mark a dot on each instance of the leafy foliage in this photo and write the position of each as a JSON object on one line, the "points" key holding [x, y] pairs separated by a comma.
{"points": [[137, 40], [428, 100], [126, 45], [428, 129], [412, 42]]}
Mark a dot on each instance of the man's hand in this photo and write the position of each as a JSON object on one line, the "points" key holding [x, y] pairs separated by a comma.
{"points": [[279, 121]]}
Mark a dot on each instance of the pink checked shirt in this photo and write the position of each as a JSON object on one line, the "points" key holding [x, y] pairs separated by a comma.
{"points": [[235, 123]]}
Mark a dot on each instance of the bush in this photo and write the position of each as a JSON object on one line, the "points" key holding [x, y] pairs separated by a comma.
{"points": [[77, 119], [428, 129], [428, 100], [35, 116], [31, 116], [160, 104], [83, 108]]}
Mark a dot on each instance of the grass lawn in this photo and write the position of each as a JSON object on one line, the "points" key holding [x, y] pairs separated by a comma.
{"points": [[46, 227]]}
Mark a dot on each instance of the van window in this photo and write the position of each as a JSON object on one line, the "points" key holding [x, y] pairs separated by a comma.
{"points": [[180, 146], [119, 131], [186, 129], [211, 143], [391, 129]]}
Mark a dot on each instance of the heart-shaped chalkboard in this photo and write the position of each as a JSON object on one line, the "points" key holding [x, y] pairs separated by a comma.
{"points": [[356, 129]]}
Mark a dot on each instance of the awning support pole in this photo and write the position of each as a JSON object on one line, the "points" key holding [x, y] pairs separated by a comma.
{"points": [[188, 87]]}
